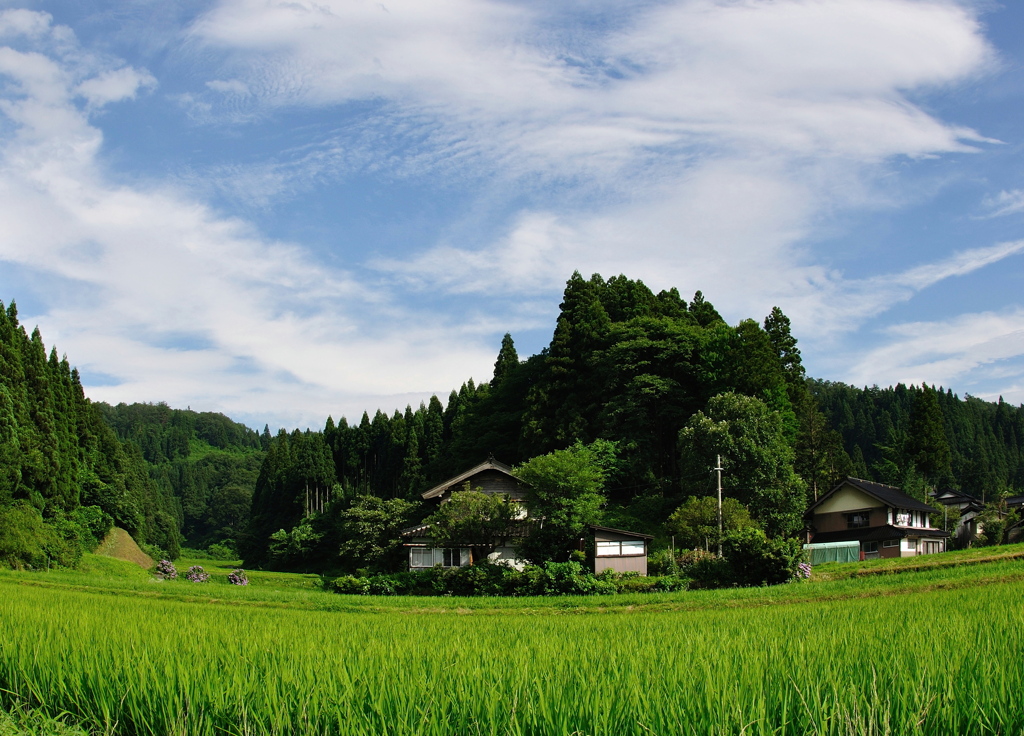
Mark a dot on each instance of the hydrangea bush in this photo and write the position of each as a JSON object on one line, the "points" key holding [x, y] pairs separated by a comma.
{"points": [[803, 571], [197, 574], [166, 570], [238, 577]]}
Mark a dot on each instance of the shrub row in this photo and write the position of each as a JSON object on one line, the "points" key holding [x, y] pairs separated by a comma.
{"points": [[749, 559], [494, 579]]}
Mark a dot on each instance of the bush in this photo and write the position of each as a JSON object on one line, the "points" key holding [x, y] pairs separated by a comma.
{"points": [[222, 552], [496, 579], [663, 562], [238, 577], [709, 571], [196, 574], [26, 541], [349, 585], [166, 570], [756, 560], [94, 523]]}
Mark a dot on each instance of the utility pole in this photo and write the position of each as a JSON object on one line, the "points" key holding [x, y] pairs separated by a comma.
{"points": [[718, 472]]}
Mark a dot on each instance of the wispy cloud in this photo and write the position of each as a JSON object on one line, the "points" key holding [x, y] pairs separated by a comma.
{"points": [[696, 143], [967, 351], [152, 288], [1009, 202]]}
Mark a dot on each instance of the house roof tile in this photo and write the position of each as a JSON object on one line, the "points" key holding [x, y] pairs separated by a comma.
{"points": [[888, 495], [489, 464]]}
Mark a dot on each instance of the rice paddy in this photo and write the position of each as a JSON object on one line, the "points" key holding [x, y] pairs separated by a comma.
{"points": [[928, 652]]}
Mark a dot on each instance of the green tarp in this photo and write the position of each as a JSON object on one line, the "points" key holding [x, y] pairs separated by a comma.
{"points": [[833, 552]]}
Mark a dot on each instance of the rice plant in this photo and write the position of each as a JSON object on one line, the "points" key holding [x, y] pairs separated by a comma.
{"points": [[941, 661]]}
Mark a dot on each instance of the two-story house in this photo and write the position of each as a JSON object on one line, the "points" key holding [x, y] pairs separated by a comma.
{"points": [[617, 549], [884, 521]]}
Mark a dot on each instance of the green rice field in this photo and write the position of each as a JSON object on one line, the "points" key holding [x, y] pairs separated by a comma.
{"points": [[928, 651]]}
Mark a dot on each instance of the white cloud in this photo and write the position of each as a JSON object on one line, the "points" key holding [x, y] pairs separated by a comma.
{"points": [[114, 86], [803, 78], [131, 271], [696, 144], [229, 87], [968, 349], [699, 144], [1007, 202]]}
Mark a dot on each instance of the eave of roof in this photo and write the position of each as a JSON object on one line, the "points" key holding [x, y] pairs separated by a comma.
{"points": [[595, 528], [490, 464], [877, 534]]}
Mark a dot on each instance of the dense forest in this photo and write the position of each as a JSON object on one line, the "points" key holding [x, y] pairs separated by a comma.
{"points": [[642, 370], [667, 381], [207, 463], [65, 477]]}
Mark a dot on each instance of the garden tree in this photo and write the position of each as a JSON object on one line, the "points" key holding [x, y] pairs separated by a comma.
{"points": [[756, 458], [997, 520], [695, 523], [565, 493], [471, 518], [370, 530]]}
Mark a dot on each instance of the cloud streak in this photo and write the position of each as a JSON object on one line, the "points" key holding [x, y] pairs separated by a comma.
{"points": [[701, 144], [174, 301]]}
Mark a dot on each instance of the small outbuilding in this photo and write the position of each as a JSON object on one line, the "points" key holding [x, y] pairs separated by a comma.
{"points": [[620, 550]]}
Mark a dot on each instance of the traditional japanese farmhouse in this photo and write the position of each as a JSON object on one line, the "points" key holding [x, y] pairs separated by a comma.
{"points": [[880, 520], [616, 549]]}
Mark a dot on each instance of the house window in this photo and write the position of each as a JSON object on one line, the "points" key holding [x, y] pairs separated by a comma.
{"points": [[633, 547], [858, 519], [891, 543], [870, 547], [617, 549], [912, 545], [451, 557], [430, 556], [421, 557], [903, 518]]}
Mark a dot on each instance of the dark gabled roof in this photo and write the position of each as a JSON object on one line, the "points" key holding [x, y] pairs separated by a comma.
{"points": [[954, 496], [638, 535], [1014, 501], [489, 464], [886, 494], [876, 534]]}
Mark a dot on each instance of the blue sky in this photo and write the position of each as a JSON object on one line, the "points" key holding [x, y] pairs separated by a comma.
{"points": [[284, 210]]}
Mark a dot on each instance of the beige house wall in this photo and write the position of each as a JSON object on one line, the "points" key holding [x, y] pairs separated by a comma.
{"points": [[847, 498], [625, 563]]}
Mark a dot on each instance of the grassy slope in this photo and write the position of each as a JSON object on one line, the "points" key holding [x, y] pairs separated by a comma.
{"points": [[952, 570], [119, 544]]}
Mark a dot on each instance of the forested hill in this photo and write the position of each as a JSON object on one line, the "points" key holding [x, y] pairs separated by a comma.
{"points": [[64, 475], [640, 369], [207, 463], [665, 379], [919, 435]]}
